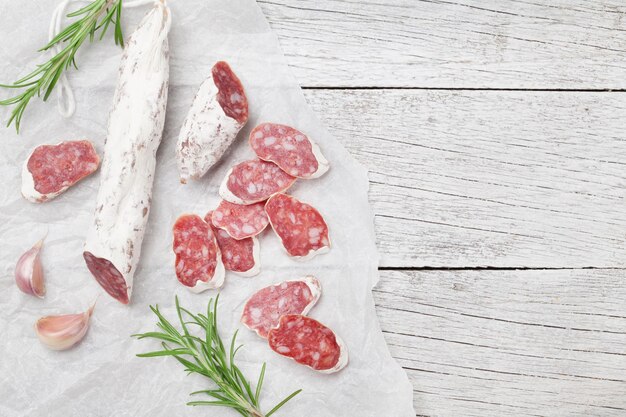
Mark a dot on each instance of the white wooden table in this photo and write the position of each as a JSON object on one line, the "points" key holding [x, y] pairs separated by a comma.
{"points": [[495, 138]]}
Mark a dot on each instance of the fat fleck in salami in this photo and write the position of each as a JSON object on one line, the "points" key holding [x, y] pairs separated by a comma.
{"points": [[290, 149], [113, 245], [51, 169], [300, 227], [199, 264], [239, 221], [239, 256], [217, 114], [309, 343], [263, 310], [253, 181]]}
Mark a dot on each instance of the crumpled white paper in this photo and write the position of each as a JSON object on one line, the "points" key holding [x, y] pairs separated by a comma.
{"points": [[102, 376]]}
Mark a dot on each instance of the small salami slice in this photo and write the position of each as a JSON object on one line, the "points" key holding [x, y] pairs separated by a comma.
{"points": [[309, 343], [290, 149], [198, 259], [253, 181], [300, 227], [239, 221], [239, 256], [231, 95], [51, 169], [263, 310]]}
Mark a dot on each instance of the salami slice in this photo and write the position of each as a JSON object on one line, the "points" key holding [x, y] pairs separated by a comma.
{"points": [[309, 343], [113, 246], [218, 112], [51, 169], [300, 227], [198, 259], [253, 181], [263, 310], [239, 256], [290, 149], [239, 221]]}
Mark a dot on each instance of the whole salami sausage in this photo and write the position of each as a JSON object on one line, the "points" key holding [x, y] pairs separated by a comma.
{"points": [[300, 227], [198, 264], [218, 112], [263, 310], [253, 181], [113, 245], [239, 256], [309, 343], [51, 169], [288, 148]]}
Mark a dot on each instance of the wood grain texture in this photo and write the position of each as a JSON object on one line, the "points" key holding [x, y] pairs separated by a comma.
{"points": [[558, 44], [489, 178], [495, 343]]}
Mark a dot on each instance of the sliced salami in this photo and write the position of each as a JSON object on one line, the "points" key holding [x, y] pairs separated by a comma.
{"points": [[239, 221], [309, 343], [253, 181], [51, 169], [290, 149], [113, 246], [218, 112], [263, 310], [300, 227], [239, 256], [198, 259]]}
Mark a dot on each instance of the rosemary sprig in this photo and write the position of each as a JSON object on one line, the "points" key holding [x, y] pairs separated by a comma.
{"points": [[207, 356], [99, 14]]}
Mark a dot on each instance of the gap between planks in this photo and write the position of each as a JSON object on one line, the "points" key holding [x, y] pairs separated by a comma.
{"points": [[530, 90]]}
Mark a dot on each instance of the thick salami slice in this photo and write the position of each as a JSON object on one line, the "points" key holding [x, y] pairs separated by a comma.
{"points": [[113, 245], [263, 310], [51, 169], [253, 181], [290, 149], [309, 343], [300, 227], [218, 112], [239, 256], [198, 259], [239, 221]]}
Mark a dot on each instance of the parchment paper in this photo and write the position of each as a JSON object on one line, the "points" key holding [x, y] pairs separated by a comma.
{"points": [[102, 376]]}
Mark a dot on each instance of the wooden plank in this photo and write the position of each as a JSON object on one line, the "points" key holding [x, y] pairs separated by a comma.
{"points": [[523, 343], [558, 44], [489, 178]]}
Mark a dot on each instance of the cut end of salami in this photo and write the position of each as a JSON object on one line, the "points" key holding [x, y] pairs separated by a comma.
{"points": [[109, 277], [254, 181], [290, 149], [198, 264], [265, 308], [239, 221], [51, 169], [308, 342], [231, 94], [238, 256], [300, 227]]}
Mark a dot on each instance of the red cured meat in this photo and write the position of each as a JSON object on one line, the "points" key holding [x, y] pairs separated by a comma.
{"points": [[231, 97], [263, 310], [253, 181], [240, 221], [288, 148], [309, 343], [52, 169], [300, 227], [108, 277], [198, 259], [238, 256]]}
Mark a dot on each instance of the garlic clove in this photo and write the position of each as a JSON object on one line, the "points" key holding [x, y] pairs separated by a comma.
{"points": [[63, 332], [29, 272]]}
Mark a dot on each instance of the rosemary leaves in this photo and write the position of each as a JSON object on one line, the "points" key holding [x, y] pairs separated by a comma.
{"points": [[208, 356]]}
